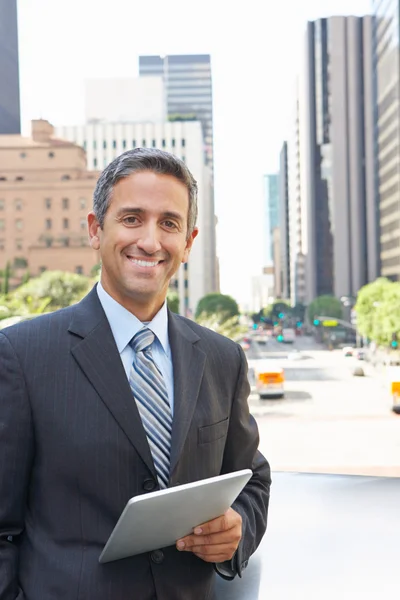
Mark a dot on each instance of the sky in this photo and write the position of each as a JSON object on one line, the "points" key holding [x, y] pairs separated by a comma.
{"points": [[255, 50]]}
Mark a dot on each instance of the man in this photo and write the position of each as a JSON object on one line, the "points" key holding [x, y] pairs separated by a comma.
{"points": [[116, 397]]}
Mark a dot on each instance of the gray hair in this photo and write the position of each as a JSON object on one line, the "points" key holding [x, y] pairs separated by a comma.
{"points": [[139, 160]]}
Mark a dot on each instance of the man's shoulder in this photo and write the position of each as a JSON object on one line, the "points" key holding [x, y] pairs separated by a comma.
{"points": [[39, 325]]}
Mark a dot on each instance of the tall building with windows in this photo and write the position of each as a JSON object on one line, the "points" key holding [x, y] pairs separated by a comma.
{"points": [[45, 195], [188, 95], [271, 215], [105, 141], [10, 118], [337, 147], [387, 77], [284, 220]]}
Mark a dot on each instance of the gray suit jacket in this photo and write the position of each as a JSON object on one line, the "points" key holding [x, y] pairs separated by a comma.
{"points": [[73, 451]]}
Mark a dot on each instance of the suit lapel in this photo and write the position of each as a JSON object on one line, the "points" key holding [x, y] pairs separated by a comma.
{"points": [[188, 364], [98, 357]]}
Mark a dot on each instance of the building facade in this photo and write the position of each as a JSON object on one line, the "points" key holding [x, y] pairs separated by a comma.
{"points": [[10, 118], [284, 221], [387, 77], [296, 215], [105, 141], [271, 215], [45, 195], [338, 175]]}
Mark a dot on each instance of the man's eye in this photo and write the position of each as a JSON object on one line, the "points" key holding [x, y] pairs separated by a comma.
{"points": [[130, 220], [169, 224]]}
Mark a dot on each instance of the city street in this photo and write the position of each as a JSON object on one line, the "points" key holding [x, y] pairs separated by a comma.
{"points": [[329, 420]]}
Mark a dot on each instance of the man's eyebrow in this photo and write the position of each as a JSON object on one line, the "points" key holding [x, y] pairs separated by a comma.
{"points": [[169, 214]]}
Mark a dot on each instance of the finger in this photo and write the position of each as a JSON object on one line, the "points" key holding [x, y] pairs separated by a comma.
{"points": [[232, 536], [214, 526]]}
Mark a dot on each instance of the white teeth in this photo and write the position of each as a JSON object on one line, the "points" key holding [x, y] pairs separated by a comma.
{"points": [[144, 263]]}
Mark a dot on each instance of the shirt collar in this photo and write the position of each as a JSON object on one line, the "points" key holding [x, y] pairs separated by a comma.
{"points": [[124, 325]]}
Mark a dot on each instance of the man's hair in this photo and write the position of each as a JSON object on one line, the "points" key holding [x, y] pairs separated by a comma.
{"points": [[139, 160]]}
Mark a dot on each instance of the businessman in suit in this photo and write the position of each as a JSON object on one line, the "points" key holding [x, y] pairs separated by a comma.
{"points": [[115, 397]]}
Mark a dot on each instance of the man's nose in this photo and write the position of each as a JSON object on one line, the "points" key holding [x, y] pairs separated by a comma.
{"points": [[149, 239]]}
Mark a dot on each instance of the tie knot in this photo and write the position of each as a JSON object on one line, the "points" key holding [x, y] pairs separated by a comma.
{"points": [[142, 340]]}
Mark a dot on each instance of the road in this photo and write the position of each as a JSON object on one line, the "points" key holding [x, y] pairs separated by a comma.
{"points": [[329, 420]]}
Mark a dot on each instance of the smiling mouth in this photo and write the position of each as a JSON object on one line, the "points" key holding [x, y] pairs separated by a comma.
{"points": [[144, 263]]}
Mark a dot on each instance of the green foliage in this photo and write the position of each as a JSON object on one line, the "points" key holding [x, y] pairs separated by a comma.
{"points": [[378, 310], [211, 304], [325, 306], [277, 309], [229, 327], [55, 289], [173, 301], [96, 271]]}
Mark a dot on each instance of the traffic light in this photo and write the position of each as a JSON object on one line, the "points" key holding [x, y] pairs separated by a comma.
{"points": [[316, 322], [299, 323], [395, 343], [280, 338], [281, 315], [255, 326]]}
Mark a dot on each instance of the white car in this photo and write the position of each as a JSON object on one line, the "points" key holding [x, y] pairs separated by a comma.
{"points": [[269, 378]]}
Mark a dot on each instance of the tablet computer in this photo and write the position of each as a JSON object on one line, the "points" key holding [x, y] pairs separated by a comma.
{"points": [[158, 519]]}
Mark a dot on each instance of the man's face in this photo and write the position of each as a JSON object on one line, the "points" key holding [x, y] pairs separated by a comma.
{"points": [[143, 240]]}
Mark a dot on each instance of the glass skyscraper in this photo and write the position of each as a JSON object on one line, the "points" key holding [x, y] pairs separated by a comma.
{"points": [[10, 118]]}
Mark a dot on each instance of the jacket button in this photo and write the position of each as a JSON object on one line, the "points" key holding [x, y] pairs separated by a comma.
{"points": [[149, 485], [157, 556]]}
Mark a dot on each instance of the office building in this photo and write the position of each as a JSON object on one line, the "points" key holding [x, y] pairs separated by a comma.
{"points": [[387, 77], [133, 100], [105, 141], [338, 175], [296, 217], [271, 215], [10, 118], [45, 195], [284, 221]]}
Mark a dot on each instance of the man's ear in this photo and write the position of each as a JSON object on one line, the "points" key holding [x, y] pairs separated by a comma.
{"points": [[93, 227], [189, 244]]}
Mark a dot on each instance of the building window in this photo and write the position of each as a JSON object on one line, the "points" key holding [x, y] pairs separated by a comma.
{"points": [[133, 143], [184, 158], [23, 155], [173, 142], [19, 224], [47, 203], [79, 270], [18, 204], [65, 223], [65, 241], [65, 203], [82, 202], [95, 162], [153, 143], [65, 178], [124, 144], [114, 144], [2, 224], [94, 144], [48, 224], [42, 269], [83, 224], [144, 143], [183, 142], [84, 144], [2, 245], [20, 263], [19, 178], [1, 204], [49, 242], [105, 144], [51, 155], [164, 143]]}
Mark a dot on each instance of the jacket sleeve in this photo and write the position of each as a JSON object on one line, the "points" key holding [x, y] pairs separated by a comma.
{"points": [[16, 450], [241, 453]]}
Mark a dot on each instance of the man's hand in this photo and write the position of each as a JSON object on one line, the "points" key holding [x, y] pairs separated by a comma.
{"points": [[215, 541]]}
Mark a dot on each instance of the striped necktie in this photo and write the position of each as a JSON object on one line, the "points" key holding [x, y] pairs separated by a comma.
{"points": [[150, 393]]}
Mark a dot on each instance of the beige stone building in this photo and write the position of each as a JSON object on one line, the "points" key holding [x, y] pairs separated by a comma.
{"points": [[45, 195]]}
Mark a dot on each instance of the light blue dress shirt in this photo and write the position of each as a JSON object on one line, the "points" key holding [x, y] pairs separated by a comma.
{"points": [[124, 325]]}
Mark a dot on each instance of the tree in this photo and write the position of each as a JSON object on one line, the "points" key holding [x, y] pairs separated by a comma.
{"points": [[217, 304], [325, 306], [218, 322], [173, 301], [56, 288], [378, 310], [278, 310]]}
